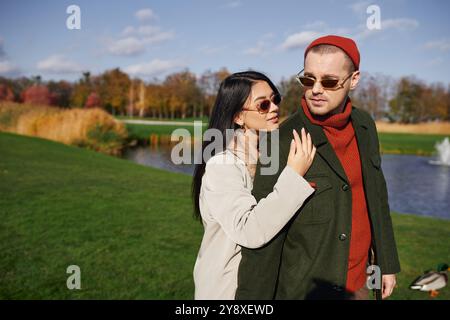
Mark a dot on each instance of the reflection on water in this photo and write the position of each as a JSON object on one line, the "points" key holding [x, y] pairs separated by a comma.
{"points": [[158, 157], [414, 185]]}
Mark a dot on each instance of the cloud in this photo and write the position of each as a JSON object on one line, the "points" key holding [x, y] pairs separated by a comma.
{"points": [[320, 28], [399, 24], [129, 30], [145, 14], [126, 47], [135, 39], [316, 25], [360, 7], [153, 68], [7, 68], [300, 39], [58, 64], [257, 50], [211, 49], [232, 4], [149, 33], [263, 47], [435, 62], [441, 45], [403, 24]]}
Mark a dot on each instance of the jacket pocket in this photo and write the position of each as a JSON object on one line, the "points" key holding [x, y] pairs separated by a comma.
{"points": [[300, 258], [319, 207]]}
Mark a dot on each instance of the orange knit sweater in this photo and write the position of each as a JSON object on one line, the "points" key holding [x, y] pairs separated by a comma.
{"points": [[340, 133]]}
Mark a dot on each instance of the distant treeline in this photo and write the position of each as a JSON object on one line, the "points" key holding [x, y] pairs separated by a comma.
{"points": [[183, 94]]}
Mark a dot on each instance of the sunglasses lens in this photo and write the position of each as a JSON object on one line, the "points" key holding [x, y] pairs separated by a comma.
{"points": [[276, 99], [329, 83], [307, 82], [265, 105]]}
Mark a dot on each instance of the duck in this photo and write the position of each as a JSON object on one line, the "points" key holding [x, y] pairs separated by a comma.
{"points": [[432, 281]]}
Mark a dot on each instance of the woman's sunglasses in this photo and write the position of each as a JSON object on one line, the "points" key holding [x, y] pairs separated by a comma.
{"points": [[264, 105], [332, 84]]}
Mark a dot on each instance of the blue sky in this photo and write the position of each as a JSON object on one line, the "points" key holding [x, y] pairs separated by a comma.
{"points": [[150, 39]]}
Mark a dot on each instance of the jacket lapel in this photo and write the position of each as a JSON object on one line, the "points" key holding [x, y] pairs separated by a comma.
{"points": [[324, 148], [362, 138]]}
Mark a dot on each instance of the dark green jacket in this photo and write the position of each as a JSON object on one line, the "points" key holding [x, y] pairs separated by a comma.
{"points": [[308, 259]]}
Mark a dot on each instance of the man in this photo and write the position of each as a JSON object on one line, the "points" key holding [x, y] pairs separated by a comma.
{"points": [[324, 252]]}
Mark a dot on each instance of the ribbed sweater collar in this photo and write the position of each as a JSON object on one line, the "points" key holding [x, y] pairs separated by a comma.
{"points": [[337, 121]]}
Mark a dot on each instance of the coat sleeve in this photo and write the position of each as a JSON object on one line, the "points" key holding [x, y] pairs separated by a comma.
{"points": [[387, 259], [259, 268], [246, 221]]}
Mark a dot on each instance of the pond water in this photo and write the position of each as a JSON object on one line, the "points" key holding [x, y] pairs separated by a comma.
{"points": [[414, 185]]}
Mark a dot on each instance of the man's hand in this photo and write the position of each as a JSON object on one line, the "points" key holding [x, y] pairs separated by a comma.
{"points": [[388, 284]]}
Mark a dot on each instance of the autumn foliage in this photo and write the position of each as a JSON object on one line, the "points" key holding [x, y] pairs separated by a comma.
{"points": [[37, 95], [184, 94], [6, 93], [93, 101]]}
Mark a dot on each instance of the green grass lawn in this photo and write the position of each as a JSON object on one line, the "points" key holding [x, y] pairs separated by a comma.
{"points": [[189, 119], [405, 143], [128, 227], [391, 143], [422, 244], [143, 131]]}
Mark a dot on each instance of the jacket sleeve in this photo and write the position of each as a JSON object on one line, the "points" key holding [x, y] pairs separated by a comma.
{"points": [[387, 259], [259, 268], [248, 222]]}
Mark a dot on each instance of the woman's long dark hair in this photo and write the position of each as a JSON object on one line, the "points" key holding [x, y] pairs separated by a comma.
{"points": [[230, 100]]}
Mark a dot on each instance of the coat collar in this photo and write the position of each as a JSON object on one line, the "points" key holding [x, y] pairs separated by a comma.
{"points": [[324, 147]]}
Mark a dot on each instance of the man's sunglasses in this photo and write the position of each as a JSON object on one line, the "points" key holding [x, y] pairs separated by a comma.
{"points": [[264, 105], [330, 83]]}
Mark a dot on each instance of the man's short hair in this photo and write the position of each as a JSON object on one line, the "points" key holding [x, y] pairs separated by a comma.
{"points": [[328, 48]]}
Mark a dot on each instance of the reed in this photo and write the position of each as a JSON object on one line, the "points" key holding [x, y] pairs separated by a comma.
{"points": [[419, 128], [90, 128]]}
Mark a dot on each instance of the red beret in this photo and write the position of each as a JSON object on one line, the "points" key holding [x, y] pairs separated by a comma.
{"points": [[346, 44]]}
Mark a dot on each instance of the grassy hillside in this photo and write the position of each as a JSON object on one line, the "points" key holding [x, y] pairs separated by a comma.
{"points": [[128, 227]]}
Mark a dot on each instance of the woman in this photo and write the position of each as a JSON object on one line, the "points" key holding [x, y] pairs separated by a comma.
{"points": [[232, 218]]}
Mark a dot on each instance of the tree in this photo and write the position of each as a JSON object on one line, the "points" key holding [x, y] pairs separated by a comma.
{"points": [[6, 94], [134, 96], [36, 79], [448, 104], [141, 99], [157, 100], [209, 83], [93, 101], [113, 87], [60, 92], [437, 101], [37, 94], [185, 95], [81, 90], [17, 85], [407, 104], [292, 93]]}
